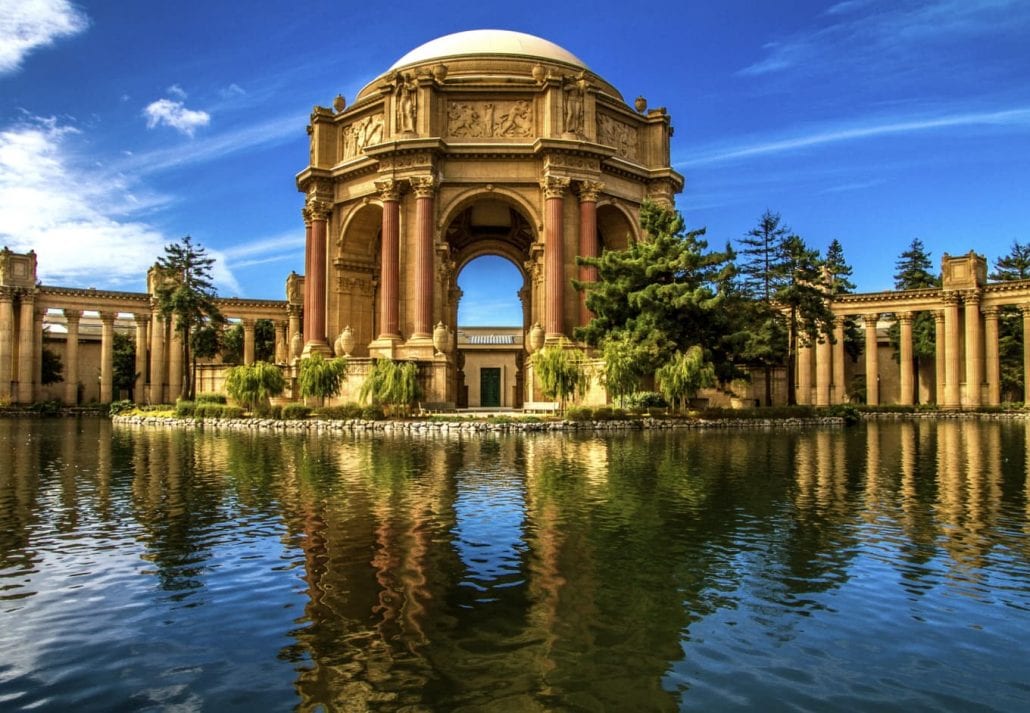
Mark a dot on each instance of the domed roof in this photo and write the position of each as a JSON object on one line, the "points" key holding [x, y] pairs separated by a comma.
{"points": [[473, 42]]}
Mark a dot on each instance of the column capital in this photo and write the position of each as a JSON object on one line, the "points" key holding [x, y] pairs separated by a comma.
{"points": [[871, 318], [554, 186], [589, 191], [904, 316], [140, 317], [319, 209], [294, 310], [248, 322], [938, 316], [6, 294], [388, 189], [971, 297], [991, 312], [305, 213], [423, 186], [107, 317], [951, 297], [72, 316]]}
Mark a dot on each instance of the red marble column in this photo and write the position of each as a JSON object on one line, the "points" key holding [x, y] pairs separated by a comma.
{"points": [[306, 213], [588, 246], [424, 187], [389, 278], [315, 282], [554, 255]]}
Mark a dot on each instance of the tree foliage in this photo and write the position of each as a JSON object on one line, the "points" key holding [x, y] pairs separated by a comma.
{"points": [[621, 374], [912, 271], [321, 378], [253, 385], [684, 375], [662, 294], [52, 369], [561, 371], [123, 371], [838, 281], [761, 258], [391, 383], [1014, 266], [185, 291]]}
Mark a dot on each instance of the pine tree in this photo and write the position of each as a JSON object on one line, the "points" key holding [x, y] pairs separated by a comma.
{"points": [[1014, 266], [760, 262], [838, 279], [912, 268], [912, 272], [185, 291]]}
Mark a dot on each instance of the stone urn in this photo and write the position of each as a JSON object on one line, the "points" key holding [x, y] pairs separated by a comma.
{"points": [[345, 342], [539, 73], [441, 338], [640, 104], [536, 337], [296, 345]]}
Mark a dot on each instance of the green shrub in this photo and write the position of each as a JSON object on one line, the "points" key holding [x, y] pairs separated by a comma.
{"points": [[604, 413], [849, 413], [232, 411], [391, 383], [579, 413], [211, 399], [644, 400], [373, 413], [122, 406], [275, 411], [321, 378], [345, 411], [46, 408], [252, 385], [185, 409], [295, 412]]}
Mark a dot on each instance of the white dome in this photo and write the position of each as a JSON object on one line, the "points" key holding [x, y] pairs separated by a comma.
{"points": [[474, 42]]}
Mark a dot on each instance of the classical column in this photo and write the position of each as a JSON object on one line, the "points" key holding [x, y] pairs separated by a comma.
{"points": [[294, 330], [248, 340], [840, 389], [37, 349], [281, 341], [993, 357], [823, 371], [6, 343], [314, 309], [905, 398], [974, 350], [139, 390], [106, 357], [554, 188], [71, 357], [306, 214], [872, 369], [158, 330], [1026, 361], [804, 392], [588, 247], [389, 275], [938, 357], [425, 190], [174, 360], [952, 377], [26, 342]]}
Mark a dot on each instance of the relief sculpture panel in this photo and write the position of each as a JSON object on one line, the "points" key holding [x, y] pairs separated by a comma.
{"points": [[623, 137], [364, 132], [490, 119]]}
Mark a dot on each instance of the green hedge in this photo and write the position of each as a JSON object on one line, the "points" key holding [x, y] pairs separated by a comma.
{"points": [[345, 411], [212, 399], [184, 409], [295, 412]]}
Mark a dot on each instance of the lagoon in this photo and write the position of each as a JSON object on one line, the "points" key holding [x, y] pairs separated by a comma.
{"points": [[880, 567]]}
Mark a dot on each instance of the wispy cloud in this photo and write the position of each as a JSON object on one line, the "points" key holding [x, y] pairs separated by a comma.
{"points": [[262, 251], [27, 25], [82, 223], [173, 113], [1017, 117]]}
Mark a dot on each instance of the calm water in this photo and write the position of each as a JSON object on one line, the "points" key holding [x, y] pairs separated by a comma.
{"points": [[878, 568]]}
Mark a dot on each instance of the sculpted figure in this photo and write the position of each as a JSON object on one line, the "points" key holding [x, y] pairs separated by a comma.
{"points": [[406, 103], [574, 90]]}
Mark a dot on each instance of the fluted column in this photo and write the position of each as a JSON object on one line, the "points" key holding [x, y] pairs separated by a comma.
{"points": [[139, 390], [804, 393], [158, 330], [281, 341], [248, 340], [174, 360], [71, 357], [425, 207], [554, 188], [993, 365], [974, 350], [872, 367], [952, 376], [840, 389], [938, 357], [308, 252], [106, 357], [314, 309], [823, 371], [37, 349], [905, 348], [6, 343], [588, 247], [294, 331], [26, 342], [389, 270]]}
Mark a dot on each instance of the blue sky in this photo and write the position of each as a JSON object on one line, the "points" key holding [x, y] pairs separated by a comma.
{"points": [[124, 125]]}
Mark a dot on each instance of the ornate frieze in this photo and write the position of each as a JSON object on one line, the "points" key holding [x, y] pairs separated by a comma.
{"points": [[490, 119], [354, 285], [398, 162], [619, 135], [566, 162], [364, 132]]}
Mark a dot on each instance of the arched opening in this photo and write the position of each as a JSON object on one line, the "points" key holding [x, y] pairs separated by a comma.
{"points": [[614, 229], [353, 299], [490, 302]]}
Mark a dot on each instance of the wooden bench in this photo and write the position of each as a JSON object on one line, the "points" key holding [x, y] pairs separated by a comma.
{"points": [[540, 407]]}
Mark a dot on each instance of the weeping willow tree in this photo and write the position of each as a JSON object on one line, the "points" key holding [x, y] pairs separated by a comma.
{"points": [[253, 385], [562, 372], [684, 375], [391, 383], [321, 378]]}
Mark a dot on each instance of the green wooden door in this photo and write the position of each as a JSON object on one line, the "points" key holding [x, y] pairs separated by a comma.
{"points": [[490, 386]]}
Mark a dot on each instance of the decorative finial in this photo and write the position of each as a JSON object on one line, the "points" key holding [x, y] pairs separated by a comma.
{"points": [[640, 104], [339, 103]]}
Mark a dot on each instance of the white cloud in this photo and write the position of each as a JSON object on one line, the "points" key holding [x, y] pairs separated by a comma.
{"points": [[175, 114], [176, 91], [26, 25], [80, 221], [231, 91]]}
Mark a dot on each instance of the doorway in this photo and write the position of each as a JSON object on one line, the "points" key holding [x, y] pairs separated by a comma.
{"points": [[490, 386]]}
